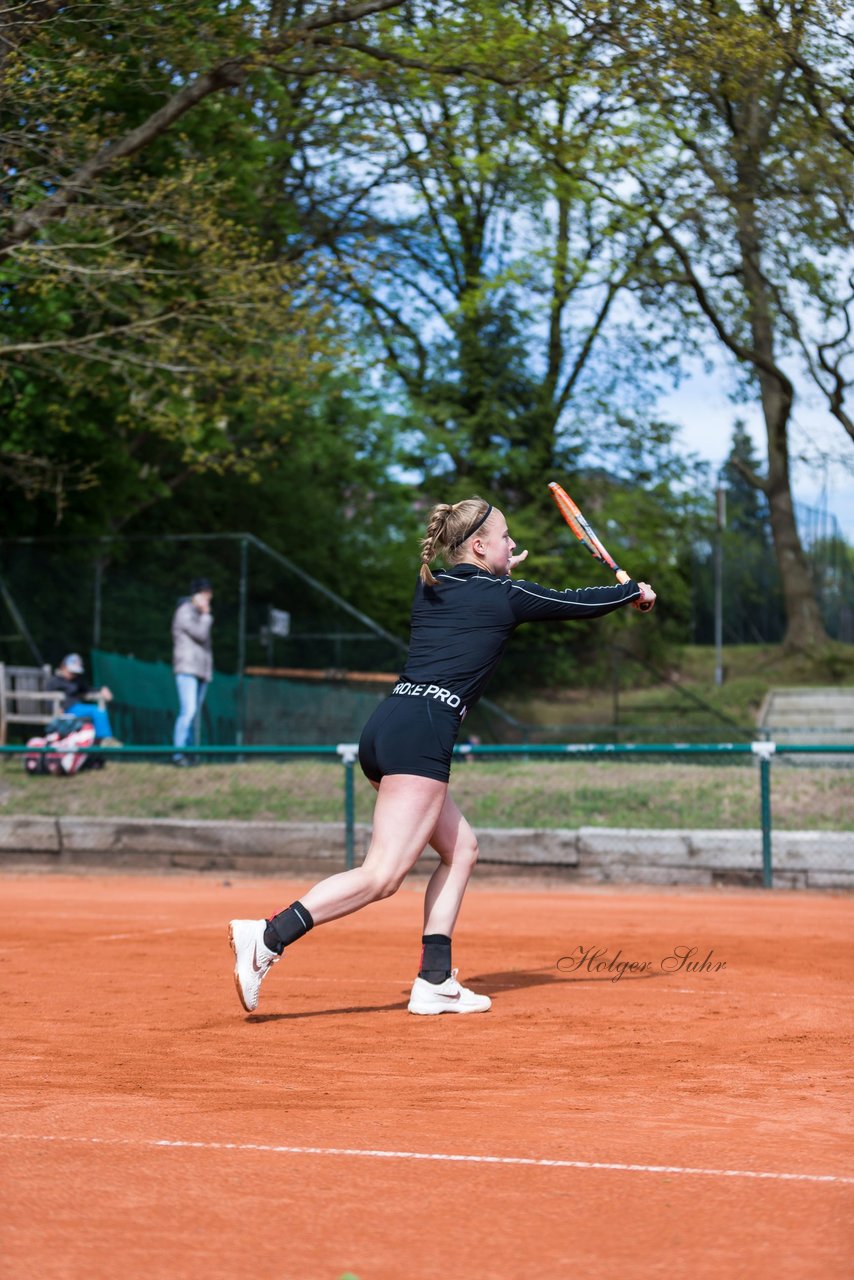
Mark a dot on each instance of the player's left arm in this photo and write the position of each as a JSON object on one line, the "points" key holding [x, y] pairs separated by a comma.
{"points": [[645, 601], [531, 602]]}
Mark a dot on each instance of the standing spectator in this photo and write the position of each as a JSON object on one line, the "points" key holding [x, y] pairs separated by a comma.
{"points": [[192, 661], [79, 697]]}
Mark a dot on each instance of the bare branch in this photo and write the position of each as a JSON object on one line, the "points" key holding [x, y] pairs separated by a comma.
{"points": [[35, 475], [746, 354], [228, 74], [87, 339], [835, 394], [450, 69], [752, 477]]}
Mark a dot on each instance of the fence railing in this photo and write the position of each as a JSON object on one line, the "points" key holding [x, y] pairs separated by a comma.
{"points": [[763, 752]]}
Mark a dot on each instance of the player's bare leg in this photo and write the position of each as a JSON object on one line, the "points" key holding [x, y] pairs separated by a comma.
{"points": [[456, 845], [436, 989], [405, 816]]}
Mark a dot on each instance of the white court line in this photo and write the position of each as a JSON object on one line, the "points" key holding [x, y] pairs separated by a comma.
{"points": [[148, 933], [136, 936], [527, 1161], [742, 991]]}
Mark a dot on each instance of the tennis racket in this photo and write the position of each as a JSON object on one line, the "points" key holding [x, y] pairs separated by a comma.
{"points": [[585, 535]]}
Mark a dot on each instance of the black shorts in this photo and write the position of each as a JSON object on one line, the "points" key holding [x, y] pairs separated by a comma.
{"points": [[409, 735]]}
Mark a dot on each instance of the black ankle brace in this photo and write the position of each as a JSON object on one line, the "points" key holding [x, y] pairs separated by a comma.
{"points": [[286, 927], [435, 958]]}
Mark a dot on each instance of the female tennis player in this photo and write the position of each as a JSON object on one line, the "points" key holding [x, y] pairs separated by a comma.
{"points": [[462, 618]]}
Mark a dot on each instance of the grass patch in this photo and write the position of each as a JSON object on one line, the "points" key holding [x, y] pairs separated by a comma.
{"points": [[575, 792], [666, 706], [522, 793]]}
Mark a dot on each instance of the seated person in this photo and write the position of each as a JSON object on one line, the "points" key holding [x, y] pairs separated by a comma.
{"points": [[79, 697]]}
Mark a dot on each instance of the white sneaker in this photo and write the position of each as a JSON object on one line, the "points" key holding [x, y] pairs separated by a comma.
{"points": [[253, 959], [446, 997]]}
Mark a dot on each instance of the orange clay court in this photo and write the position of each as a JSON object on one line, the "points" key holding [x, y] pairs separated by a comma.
{"points": [[682, 1125]]}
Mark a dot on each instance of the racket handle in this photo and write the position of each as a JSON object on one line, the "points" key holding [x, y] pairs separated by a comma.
{"points": [[644, 605]]}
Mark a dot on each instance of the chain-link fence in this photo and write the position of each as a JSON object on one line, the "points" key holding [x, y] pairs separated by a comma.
{"points": [[119, 594], [248, 710], [326, 663], [752, 608], [294, 661]]}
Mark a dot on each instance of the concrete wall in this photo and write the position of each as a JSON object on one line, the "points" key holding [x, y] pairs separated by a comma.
{"points": [[802, 859]]}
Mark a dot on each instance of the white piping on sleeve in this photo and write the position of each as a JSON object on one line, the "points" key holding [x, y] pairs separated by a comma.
{"points": [[508, 582], [583, 604]]}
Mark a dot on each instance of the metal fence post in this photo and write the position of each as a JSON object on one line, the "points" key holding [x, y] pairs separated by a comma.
{"points": [[765, 750], [96, 615], [349, 752], [615, 690], [241, 646], [720, 525]]}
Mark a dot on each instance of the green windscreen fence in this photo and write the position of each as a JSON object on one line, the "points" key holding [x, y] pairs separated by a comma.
{"points": [[280, 711], [292, 711], [267, 710]]}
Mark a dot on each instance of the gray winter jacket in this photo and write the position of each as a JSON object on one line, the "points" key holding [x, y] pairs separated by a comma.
{"points": [[192, 652]]}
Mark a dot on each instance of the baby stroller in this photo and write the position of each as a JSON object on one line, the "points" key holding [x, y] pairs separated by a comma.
{"points": [[67, 734]]}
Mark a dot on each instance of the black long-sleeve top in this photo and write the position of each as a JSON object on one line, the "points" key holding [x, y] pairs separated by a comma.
{"points": [[460, 627]]}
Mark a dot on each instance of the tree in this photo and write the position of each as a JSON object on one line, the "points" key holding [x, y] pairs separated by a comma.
{"points": [[753, 605], [152, 329], [242, 36], [156, 277], [744, 126], [488, 268]]}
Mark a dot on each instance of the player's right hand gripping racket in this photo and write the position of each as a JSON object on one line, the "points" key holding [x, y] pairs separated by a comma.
{"points": [[588, 538]]}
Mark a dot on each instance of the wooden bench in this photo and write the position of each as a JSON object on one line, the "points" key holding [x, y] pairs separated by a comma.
{"points": [[25, 698]]}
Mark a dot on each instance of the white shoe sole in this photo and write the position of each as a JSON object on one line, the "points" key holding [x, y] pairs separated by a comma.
{"points": [[434, 1010], [237, 983]]}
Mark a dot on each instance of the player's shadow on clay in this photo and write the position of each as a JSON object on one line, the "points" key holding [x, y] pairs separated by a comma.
{"points": [[329, 1013], [489, 983], [518, 980], [486, 982]]}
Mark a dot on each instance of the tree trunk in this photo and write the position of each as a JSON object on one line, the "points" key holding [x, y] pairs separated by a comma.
{"points": [[804, 625]]}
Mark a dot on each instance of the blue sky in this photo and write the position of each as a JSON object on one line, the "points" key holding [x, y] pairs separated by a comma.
{"points": [[823, 454]]}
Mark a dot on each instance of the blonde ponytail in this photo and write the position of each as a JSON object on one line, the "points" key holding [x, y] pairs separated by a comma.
{"points": [[448, 529], [435, 528]]}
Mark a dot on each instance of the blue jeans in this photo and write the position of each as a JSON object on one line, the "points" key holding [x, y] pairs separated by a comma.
{"points": [[89, 711], [191, 695]]}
